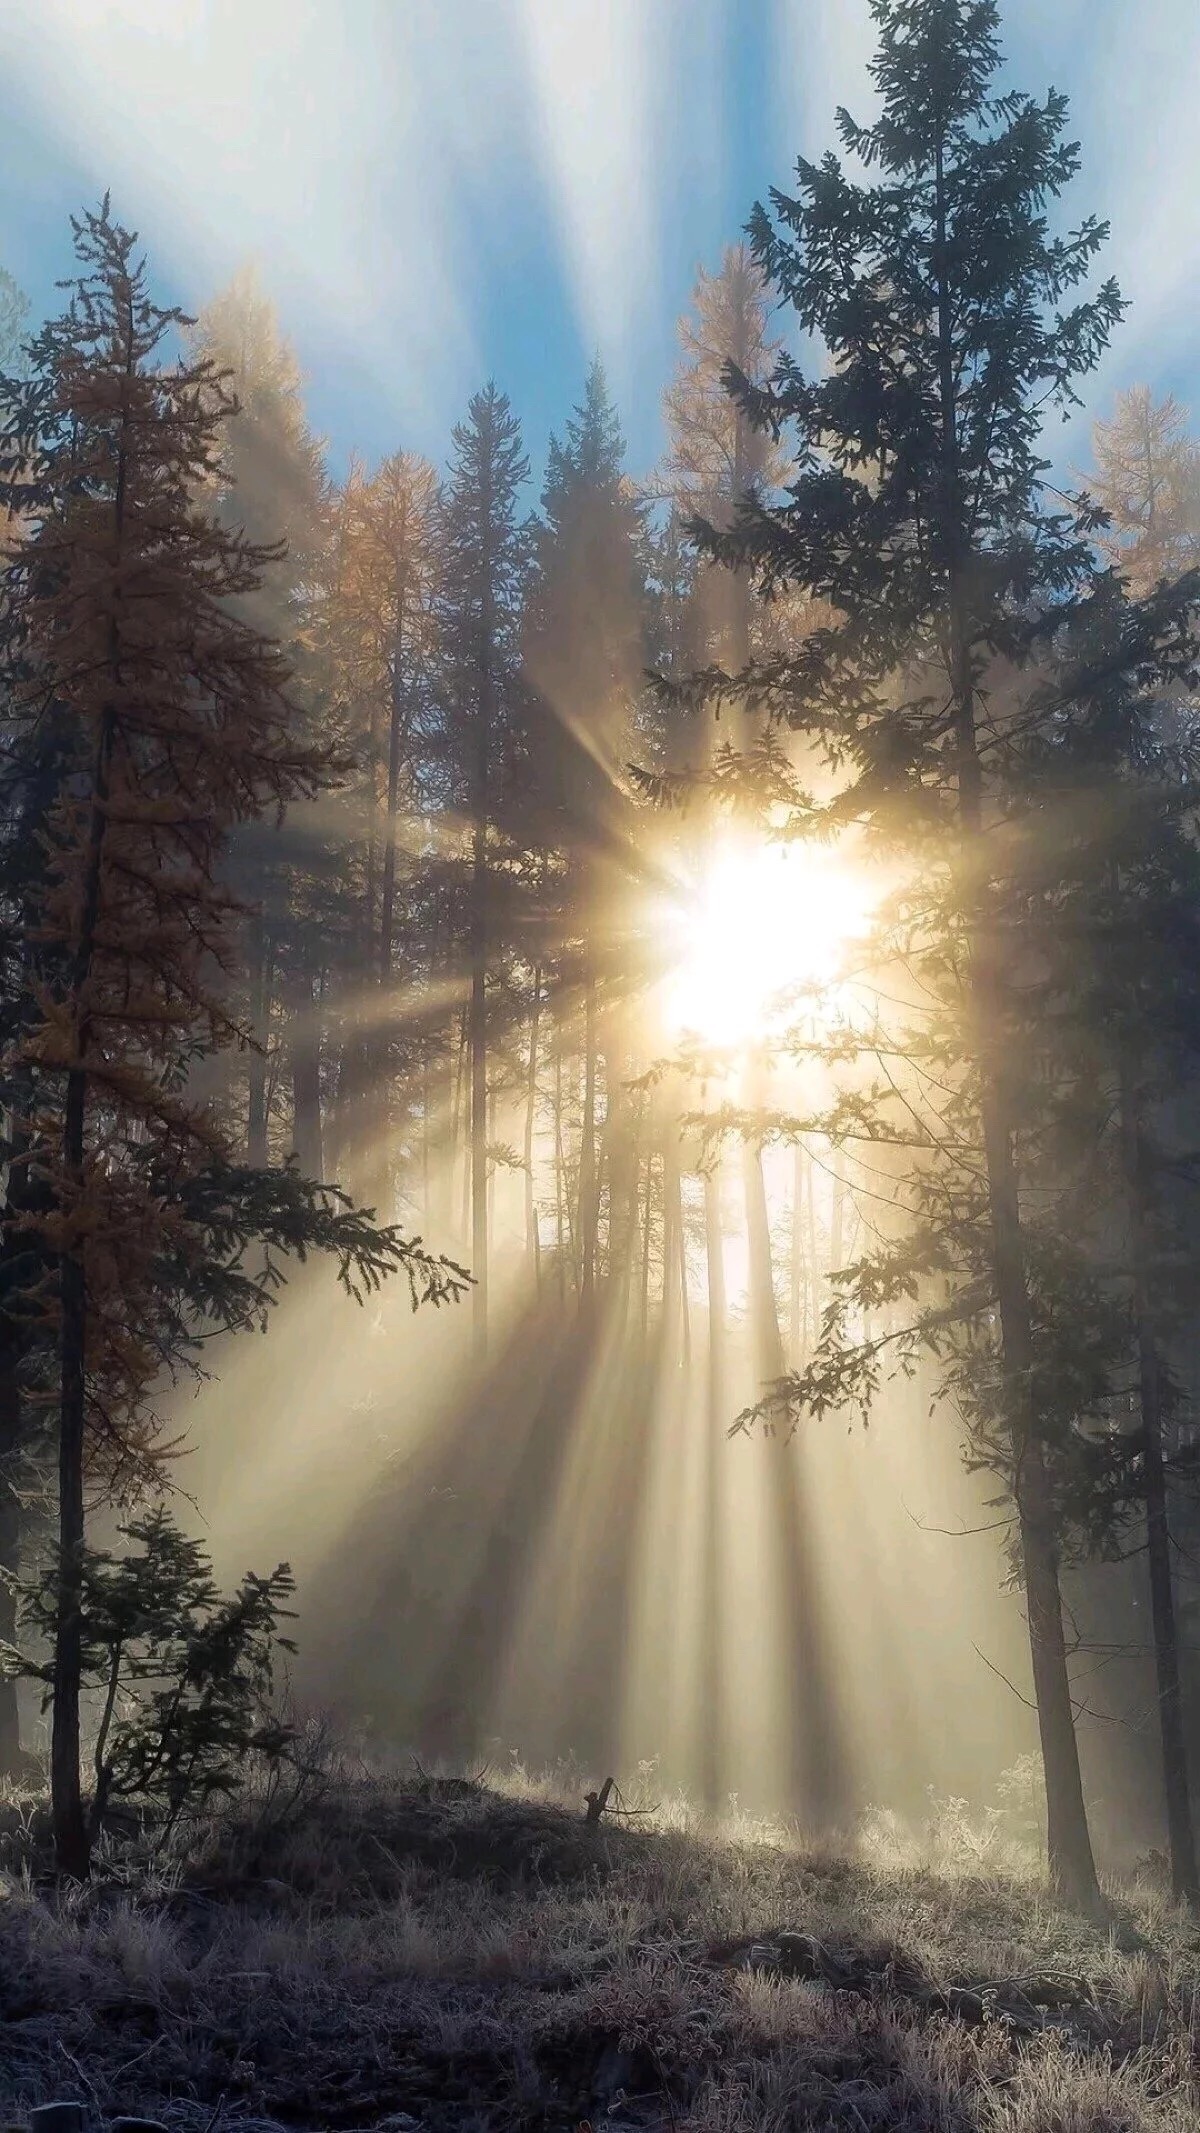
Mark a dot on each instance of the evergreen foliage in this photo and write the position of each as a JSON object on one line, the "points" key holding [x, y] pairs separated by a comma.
{"points": [[185, 1680], [917, 510]]}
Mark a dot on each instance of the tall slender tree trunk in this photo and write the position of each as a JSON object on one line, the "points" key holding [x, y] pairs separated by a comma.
{"points": [[481, 797], [533, 1242], [72, 1843], [10, 1548], [1069, 1844], [588, 1194], [764, 1313], [837, 1217], [674, 1274], [798, 1315], [306, 1075], [647, 1237], [256, 1121], [712, 1686], [560, 1195], [395, 753], [1180, 1828]]}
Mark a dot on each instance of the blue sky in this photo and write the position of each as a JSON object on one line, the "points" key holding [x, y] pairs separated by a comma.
{"points": [[439, 190]]}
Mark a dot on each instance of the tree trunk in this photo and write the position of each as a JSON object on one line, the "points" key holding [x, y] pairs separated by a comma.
{"points": [[256, 1122], [1069, 1844], [798, 1317], [306, 1078], [647, 1237], [764, 1315], [560, 1221], [1181, 1833], [674, 1273], [712, 1688], [478, 1025], [837, 1217], [588, 1196], [10, 1552], [395, 751], [533, 1242], [71, 1846]]}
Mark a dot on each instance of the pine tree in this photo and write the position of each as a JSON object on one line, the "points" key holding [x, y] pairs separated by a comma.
{"points": [[916, 510], [123, 620]]}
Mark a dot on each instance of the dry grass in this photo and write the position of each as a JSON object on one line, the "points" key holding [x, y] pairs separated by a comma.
{"points": [[393, 1951]]}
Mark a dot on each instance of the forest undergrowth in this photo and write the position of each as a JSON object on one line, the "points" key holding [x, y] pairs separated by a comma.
{"points": [[402, 1951]]}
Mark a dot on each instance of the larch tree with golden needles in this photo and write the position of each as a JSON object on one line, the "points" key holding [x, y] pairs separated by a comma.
{"points": [[272, 487], [1147, 477], [379, 627], [127, 628]]}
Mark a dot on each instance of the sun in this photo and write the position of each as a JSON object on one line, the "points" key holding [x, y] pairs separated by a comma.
{"points": [[760, 925]]}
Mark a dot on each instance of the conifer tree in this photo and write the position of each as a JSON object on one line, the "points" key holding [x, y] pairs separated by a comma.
{"points": [[1113, 925], [485, 553], [916, 510], [1147, 478], [378, 626], [123, 627], [272, 488], [584, 649]]}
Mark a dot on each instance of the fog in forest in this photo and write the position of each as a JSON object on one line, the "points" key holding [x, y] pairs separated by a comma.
{"points": [[699, 935]]}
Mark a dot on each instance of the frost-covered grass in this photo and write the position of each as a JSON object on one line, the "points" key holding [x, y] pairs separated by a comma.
{"points": [[475, 1957]]}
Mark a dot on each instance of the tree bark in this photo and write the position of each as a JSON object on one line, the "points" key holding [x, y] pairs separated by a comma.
{"points": [[72, 1846], [560, 1219], [798, 1316], [306, 1078], [1069, 1845], [256, 1122], [588, 1195], [764, 1314], [396, 736], [484, 714], [10, 1551], [478, 1026], [533, 1242], [1180, 1829], [712, 1687]]}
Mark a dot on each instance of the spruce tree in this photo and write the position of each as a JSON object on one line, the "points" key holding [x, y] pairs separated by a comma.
{"points": [[917, 509]]}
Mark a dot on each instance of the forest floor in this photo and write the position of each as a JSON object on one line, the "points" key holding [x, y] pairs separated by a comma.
{"points": [[403, 1953]]}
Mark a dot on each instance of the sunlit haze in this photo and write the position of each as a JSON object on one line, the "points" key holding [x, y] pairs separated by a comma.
{"points": [[599, 1048], [762, 927]]}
